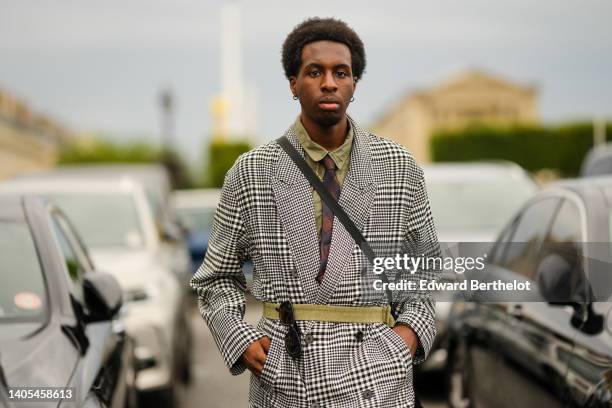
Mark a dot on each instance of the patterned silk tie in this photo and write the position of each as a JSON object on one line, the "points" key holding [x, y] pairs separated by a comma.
{"points": [[331, 183]]}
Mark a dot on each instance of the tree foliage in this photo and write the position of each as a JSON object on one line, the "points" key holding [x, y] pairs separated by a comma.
{"points": [[221, 157]]}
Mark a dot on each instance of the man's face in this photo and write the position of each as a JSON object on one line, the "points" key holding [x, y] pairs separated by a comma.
{"points": [[325, 82]]}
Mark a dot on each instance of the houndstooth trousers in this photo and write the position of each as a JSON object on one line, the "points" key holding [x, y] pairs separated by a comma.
{"points": [[266, 215]]}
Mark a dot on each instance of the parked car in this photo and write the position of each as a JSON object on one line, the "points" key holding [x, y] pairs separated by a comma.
{"points": [[598, 161], [551, 346], [58, 324], [155, 182], [473, 201], [195, 210], [470, 203], [117, 224]]}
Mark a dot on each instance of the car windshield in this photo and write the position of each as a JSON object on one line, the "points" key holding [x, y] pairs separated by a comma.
{"points": [[103, 220], [22, 286], [196, 219], [476, 204]]}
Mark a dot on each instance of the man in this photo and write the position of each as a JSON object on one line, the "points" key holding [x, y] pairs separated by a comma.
{"points": [[269, 214]]}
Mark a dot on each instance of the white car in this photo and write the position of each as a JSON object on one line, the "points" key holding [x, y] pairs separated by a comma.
{"points": [[473, 201], [116, 221]]}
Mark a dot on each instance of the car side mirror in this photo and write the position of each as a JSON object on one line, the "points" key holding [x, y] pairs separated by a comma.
{"points": [[553, 276], [103, 296], [555, 280]]}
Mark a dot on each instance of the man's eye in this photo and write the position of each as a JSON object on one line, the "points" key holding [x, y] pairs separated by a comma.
{"points": [[314, 73], [341, 74]]}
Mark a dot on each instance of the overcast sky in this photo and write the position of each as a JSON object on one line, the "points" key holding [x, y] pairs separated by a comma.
{"points": [[99, 66]]}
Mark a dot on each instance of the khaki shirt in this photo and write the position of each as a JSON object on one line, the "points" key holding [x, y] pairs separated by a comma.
{"points": [[314, 153]]}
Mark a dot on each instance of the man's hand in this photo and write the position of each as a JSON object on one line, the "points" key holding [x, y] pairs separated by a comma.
{"points": [[255, 355], [409, 337]]}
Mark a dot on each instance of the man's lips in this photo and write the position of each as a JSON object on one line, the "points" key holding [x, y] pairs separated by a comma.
{"points": [[329, 105]]}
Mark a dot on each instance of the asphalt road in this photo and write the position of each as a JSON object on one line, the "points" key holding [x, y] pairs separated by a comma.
{"points": [[214, 387]]}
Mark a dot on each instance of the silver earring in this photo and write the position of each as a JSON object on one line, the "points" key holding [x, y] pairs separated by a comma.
{"points": [[295, 97], [352, 98]]}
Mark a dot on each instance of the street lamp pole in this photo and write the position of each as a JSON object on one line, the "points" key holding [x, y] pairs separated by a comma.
{"points": [[167, 118]]}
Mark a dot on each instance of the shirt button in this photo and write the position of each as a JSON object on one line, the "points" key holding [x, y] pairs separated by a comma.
{"points": [[359, 336], [367, 394], [309, 338]]}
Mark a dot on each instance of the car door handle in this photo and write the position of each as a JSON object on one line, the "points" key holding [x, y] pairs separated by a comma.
{"points": [[516, 310]]}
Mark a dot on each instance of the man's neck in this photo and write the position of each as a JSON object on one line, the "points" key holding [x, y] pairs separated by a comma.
{"points": [[330, 137]]}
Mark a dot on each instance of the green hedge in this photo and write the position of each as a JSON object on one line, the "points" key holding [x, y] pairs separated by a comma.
{"points": [[102, 151], [221, 157], [533, 147]]}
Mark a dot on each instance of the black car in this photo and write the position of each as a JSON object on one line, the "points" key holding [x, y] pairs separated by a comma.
{"points": [[550, 346], [57, 315]]}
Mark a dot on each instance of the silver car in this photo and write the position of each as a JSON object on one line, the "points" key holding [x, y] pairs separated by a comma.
{"points": [[116, 221]]}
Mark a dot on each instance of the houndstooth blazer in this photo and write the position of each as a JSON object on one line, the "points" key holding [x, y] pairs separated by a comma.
{"points": [[266, 215]]}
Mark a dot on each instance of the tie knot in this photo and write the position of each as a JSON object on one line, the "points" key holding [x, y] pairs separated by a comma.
{"points": [[328, 162]]}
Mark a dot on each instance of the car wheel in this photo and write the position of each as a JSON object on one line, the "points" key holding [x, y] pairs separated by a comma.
{"points": [[185, 371], [459, 377], [184, 354]]}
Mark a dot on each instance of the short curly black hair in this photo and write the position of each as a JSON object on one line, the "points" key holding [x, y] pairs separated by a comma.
{"points": [[320, 29]]}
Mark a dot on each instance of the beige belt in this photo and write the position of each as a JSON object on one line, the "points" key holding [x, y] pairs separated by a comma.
{"points": [[337, 314]]}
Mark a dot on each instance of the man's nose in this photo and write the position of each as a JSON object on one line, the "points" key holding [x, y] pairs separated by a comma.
{"points": [[328, 82]]}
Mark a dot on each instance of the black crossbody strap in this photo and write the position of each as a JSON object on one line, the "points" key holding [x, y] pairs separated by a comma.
{"points": [[332, 204]]}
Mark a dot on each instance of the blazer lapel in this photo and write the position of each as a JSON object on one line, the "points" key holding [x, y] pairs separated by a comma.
{"points": [[296, 212], [356, 197]]}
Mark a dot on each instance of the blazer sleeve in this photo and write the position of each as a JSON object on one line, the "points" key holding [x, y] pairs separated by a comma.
{"points": [[418, 310], [220, 282]]}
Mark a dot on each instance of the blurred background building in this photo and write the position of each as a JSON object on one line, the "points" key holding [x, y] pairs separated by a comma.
{"points": [[29, 141], [471, 96]]}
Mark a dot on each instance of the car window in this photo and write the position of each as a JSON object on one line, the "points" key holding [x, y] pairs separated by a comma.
{"points": [[196, 219], [560, 270], [502, 242], [22, 285], [76, 266], [567, 226], [521, 254], [103, 220]]}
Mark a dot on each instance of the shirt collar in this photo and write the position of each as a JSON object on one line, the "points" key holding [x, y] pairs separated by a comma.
{"points": [[317, 152]]}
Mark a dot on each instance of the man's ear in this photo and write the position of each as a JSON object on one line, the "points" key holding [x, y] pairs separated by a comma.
{"points": [[293, 85]]}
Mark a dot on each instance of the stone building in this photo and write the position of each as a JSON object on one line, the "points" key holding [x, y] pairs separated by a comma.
{"points": [[473, 96], [28, 141]]}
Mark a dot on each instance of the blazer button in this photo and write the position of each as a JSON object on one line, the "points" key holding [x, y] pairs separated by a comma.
{"points": [[359, 336], [309, 338], [367, 394], [315, 405], [294, 272]]}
